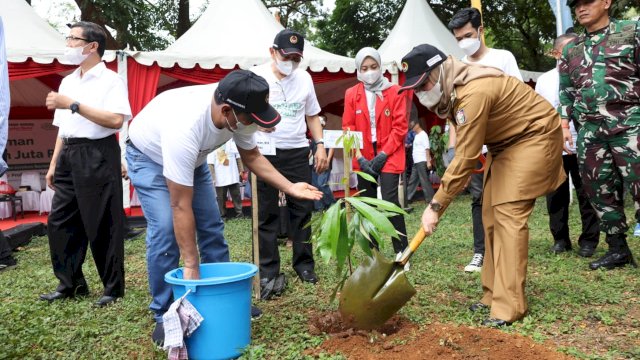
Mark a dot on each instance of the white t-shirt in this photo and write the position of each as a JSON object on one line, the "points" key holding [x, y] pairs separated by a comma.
{"points": [[294, 97], [420, 147], [548, 86], [501, 59], [100, 88], [176, 131], [226, 174]]}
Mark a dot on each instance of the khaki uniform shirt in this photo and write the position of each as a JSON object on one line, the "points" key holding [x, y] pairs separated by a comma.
{"points": [[523, 134]]}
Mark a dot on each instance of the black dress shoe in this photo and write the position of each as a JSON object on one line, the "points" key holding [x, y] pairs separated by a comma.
{"points": [[612, 260], [51, 297], [256, 313], [270, 287], [560, 247], [308, 276], [586, 251], [493, 322], [478, 307], [81, 290], [105, 300], [158, 334]]}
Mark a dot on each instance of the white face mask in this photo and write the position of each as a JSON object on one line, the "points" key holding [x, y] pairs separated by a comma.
{"points": [[74, 55], [240, 127], [469, 45], [286, 67], [370, 77], [431, 98]]}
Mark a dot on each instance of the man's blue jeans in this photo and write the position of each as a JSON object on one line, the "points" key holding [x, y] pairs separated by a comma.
{"points": [[163, 254]]}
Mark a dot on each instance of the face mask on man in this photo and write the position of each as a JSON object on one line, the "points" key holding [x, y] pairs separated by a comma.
{"points": [[370, 77], [240, 127], [431, 98], [469, 45], [286, 67], [74, 55]]}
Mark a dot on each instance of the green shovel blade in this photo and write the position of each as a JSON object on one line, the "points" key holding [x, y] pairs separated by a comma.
{"points": [[375, 291]]}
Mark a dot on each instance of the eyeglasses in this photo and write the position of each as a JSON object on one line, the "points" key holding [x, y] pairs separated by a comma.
{"points": [[70, 37]]}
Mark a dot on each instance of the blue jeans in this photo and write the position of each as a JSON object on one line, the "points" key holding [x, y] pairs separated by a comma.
{"points": [[163, 254]]}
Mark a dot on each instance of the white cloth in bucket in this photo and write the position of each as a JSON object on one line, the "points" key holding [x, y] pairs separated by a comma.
{"points": [[180, 321]]}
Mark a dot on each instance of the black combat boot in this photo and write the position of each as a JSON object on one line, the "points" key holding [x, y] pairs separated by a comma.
{"points": [[618, 255]]}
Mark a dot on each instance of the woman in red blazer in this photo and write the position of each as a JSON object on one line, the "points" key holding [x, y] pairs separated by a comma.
{"points": [[375, 108]]}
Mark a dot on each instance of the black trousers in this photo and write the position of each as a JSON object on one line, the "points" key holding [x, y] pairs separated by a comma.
{"points": [[294, 165], [389, 190], [475, 189], [558, 208], [87, 210]]}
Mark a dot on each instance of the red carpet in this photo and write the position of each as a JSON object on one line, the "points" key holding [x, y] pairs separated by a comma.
{"points": [[33, 216]]}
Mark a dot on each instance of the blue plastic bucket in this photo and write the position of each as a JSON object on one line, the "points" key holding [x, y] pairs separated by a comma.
{"points": [[223, 297]]}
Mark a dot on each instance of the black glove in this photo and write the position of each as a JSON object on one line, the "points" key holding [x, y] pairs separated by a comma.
{"points": [[365, 166], [378, 162]]}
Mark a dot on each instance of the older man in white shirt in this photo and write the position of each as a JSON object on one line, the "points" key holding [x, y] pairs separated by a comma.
{"points": [[90, 108]]}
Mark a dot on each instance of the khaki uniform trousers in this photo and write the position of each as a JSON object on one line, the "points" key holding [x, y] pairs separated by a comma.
{"points": [[504, 271]]}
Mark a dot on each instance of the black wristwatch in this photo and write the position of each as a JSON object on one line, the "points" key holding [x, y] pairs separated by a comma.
{"points": [[75, 107], [435, 206]]}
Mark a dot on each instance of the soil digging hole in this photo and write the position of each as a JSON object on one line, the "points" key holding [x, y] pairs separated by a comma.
{"points": [[333, 324], [400, 339]]}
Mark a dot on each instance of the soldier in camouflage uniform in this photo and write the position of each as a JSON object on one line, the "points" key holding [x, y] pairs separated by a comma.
{"points": [[600, 90]]}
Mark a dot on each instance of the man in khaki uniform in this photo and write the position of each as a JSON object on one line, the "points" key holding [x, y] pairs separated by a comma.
{"points": [[523, 134]]}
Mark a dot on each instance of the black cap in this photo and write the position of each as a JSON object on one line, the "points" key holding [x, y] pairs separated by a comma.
{"points": [[247, 92], [572, 3], [289, 42], [418, 63]]}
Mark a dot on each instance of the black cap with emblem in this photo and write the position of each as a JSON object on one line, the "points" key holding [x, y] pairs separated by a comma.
{"points": [[418, 63], [289, 42], [249, 93]]}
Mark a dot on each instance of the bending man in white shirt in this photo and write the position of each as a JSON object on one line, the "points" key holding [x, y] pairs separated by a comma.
{"points": [[167, 166]]}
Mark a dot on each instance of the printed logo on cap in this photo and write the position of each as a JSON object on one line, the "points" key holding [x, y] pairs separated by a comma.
{"points": [[405, 66], [266, 99], [293, 39], [434, 60]]}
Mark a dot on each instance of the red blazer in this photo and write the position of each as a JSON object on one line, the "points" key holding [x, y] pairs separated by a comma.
{"points": [[391, 125]]}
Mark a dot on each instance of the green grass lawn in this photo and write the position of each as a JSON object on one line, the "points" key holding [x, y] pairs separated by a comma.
{"points": [[591, 315]]}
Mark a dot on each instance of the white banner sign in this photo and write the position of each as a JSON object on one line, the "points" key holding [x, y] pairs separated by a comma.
{"points": [[30, 144], [331, 136]]}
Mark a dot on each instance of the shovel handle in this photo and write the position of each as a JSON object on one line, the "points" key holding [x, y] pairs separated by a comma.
{"points": [[413, 246]]}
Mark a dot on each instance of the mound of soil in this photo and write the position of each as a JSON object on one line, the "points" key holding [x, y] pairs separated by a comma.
{"points": [[403, 340]]}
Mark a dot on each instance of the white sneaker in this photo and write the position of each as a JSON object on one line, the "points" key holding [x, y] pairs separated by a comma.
{"points": [[476, 264]]}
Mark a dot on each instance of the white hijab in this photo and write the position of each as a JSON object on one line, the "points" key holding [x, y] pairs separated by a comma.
{"points": [[382, 84]]}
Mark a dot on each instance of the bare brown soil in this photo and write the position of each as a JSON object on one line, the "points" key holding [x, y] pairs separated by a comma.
{"points": [[403, 340]]}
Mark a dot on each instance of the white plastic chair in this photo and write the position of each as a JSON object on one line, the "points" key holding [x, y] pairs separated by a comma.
{"points": [[5, 206], [30, 198]]}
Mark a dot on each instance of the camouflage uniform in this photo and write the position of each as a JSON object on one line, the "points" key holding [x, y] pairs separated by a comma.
{"points": [[600, 89]]}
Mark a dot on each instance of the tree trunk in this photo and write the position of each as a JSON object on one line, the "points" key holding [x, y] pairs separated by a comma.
{"points": [[183, 17], [89, 12]]}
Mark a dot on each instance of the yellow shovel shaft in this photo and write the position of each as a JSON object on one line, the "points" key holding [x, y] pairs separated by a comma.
{"points": [[413, 246]]}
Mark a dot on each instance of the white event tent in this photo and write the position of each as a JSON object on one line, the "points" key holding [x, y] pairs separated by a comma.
{"points": [[231, 34], [418, 24]]}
